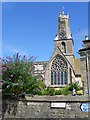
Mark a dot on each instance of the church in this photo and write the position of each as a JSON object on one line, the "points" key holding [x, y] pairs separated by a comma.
{"points": [[63, 67]]}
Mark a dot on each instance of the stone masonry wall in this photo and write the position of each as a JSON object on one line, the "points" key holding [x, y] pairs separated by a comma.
{"points": [[40, 107], [89, 73], [84, 73]]}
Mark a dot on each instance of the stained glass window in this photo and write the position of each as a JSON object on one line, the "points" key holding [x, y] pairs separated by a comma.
{"points": [[61, 78], [58, 78], [65, 77], [55, 78], [51, 78]]}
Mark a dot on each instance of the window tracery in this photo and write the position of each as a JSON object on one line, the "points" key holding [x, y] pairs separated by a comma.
{"points": [[59, 71]]}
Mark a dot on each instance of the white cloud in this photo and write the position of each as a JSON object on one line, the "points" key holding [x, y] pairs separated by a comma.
{"points": [[0, 49], [10, 50], [78, 37]]}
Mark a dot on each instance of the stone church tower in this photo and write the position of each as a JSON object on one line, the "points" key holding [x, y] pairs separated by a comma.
{"points": [[60, 69]]}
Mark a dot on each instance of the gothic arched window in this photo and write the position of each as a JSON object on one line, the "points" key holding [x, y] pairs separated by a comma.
{"points": [[59, 71], [63, 47]]}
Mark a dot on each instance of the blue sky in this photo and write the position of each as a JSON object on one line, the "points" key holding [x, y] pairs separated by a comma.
{"points": [[30, 28]]}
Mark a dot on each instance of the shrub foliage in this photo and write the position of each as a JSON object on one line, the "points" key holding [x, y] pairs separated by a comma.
{"points": [[74, 85], [18, 78]]}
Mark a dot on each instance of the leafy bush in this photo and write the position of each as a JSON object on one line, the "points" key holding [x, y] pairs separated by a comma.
{"points": [[58, 92], [37, 87], [43, 92], [79, 92], [75, 85], [50, 91], [18, 78], [69, 92], [65, 91], [68, 89]]}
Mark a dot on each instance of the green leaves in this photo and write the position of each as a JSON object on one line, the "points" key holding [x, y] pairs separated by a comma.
{"points": [[17, 75], [75, 85], [58, 92]]}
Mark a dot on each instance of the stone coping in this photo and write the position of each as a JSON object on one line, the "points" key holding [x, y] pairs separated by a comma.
{"points": [[58, 98]]}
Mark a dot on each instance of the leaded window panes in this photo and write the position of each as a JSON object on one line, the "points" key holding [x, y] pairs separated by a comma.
{"points": [[61, 78], [58, 68], [58, 78], [51, 78], [55, 78], [65, 77]]}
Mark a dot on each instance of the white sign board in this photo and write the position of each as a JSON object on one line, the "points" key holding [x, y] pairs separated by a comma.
{"points": [[58, 105]]}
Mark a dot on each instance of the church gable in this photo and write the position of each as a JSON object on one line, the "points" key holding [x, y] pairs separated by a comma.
{"points": [[57, 70], [57, 52]]}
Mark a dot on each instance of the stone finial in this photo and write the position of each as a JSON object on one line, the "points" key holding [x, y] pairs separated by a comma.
{"points": [[63, 10], [60, 13], [86, 37]]}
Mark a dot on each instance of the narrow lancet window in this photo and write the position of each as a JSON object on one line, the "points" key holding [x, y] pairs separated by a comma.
{"points": [[61, 78], [55, 78], [58, 78], [65, 77], [51, 78]]}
